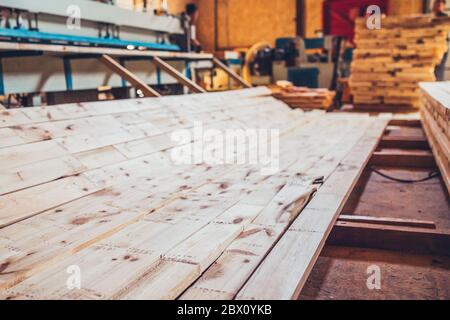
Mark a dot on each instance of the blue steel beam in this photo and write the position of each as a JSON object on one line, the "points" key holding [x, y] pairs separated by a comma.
{"points": [[52, 37], [68, 74], [2, 83]]}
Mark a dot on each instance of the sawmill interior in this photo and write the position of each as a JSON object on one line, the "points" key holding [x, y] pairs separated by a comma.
{"points": [[201, 150]]}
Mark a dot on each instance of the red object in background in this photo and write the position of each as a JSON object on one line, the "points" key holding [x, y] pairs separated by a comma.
{"points": [[339, 15]]}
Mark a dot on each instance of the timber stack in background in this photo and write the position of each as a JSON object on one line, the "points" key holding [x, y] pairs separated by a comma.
{"points": [[302, 97], [389, 63], [436, 122]]}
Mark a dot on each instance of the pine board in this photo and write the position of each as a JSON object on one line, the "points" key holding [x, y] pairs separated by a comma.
{"points": [[435, 115], [94, 185]]}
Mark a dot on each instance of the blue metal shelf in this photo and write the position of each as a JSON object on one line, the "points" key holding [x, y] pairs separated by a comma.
{"points": [[54, 37]]}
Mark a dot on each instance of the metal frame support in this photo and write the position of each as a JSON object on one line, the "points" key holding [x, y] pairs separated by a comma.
{"points": [[68, 73], [2, 83], [158, 76], [14, 54], [187, 67], [68, 53]]}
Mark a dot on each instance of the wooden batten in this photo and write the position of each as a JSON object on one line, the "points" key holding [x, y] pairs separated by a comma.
{"points": [[128, 76], [231, 73], [177, 75]]}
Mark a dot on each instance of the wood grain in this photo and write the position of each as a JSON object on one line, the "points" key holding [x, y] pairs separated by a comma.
{"points": [[95, 185]]}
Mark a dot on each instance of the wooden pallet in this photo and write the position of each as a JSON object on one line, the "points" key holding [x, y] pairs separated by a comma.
{"points": [[94, 186], [436, 122], [389, 63]]}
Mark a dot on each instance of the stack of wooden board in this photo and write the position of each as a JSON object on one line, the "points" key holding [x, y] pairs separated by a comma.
{"points": [[389, 63], [304, 98], [435, 114], [95, 204]]}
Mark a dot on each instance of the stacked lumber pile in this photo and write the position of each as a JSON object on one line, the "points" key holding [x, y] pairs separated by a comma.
{"points": [[97, 186], [389, 63], [435, 114], [304, 98]]}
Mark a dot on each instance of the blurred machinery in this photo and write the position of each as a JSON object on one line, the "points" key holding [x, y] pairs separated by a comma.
{"points": [[85, 23], [304, 62]]}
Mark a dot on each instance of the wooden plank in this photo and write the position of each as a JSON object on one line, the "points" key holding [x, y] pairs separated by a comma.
{"points": [[214, 237], [101, 157], [435, 115], [128, 76], [32, 201], [441, 159], [226, 277], [27, 175], [79, 236], [404, 143], [177, 75], [406, 123], [140, 214], [164, 281], [388, 221], [284, 271], [229, 224], [39, 172], [417, 159], [304, 98], [104, 124], [16, 118], [9, 118], [396, 238], [48, 170], [231, 73], [9, 138], [16, 156]]}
